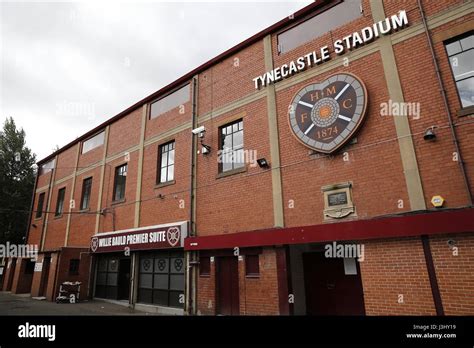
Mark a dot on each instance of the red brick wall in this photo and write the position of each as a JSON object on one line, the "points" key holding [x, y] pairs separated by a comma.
{"points": [[174, 206], [63, 269], [231, 79], [249, 205], [206, 292], [82, 226], [455, 272], [396, 267], [56, 228], [257, 296]]}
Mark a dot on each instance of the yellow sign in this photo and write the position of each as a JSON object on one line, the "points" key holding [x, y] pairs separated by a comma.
{"points": [[437, 201]]}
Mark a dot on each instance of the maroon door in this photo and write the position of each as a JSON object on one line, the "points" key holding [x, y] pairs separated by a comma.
{"points": [[329, 291], [11, 275], [44, 276], [227, 285]]}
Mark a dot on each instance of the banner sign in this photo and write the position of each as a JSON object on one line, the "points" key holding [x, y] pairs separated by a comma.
{"points": [[144, 238]]}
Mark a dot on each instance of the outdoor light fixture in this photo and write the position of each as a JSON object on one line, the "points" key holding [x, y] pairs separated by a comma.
{"points": [[263, 163], [206, 149], [430, 134]]}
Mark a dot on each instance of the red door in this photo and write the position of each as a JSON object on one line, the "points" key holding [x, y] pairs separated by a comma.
{"points": [[44, 276], [227, 285], [11, 275], [329, 291]]}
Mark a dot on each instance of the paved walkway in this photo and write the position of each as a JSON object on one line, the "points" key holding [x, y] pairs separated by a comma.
{"points": [[11, 304]]}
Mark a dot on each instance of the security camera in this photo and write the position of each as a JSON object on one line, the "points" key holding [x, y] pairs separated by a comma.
{"points": [[199, 130]]}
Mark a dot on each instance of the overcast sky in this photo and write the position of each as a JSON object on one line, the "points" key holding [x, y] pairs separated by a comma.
{"points": [[67, 67]]}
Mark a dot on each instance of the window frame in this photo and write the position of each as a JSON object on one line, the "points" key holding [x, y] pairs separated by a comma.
{"points": [[248, 272], [205, 267], [90, 138], [159, 166], [89, 193], [116, 170], [39, 208], [187, 84], [447, 42], [58, 212], [221, 146]]}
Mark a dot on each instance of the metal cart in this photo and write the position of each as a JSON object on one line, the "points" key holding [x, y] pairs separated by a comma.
{"points": [[69, 292]]}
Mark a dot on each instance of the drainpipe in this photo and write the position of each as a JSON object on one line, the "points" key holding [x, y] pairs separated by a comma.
{"points": [[48, 203], [192, 255], [446, 106], [32, 206]]}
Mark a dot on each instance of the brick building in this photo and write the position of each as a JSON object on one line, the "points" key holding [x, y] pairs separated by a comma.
{"points": [[345, 127]]}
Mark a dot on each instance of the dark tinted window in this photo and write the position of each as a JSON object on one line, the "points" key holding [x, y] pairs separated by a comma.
{"points": [[204, 266], [119, 182], [60, 202], [252, 267], [86, 193], [74, 266], [39, 208]]}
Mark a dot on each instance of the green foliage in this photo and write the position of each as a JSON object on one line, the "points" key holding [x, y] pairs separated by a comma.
{"points": [[17, 178]]}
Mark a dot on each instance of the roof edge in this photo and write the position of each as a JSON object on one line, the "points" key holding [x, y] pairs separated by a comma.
{"points": [[176, 83]]}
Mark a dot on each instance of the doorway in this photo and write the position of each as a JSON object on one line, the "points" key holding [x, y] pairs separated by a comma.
{"points": [[44, 276], [330, 289], [124, 279], [11, 275], [227, 285]]}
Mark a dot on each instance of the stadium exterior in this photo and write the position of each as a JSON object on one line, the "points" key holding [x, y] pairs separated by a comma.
{"points": [[324, 166]]}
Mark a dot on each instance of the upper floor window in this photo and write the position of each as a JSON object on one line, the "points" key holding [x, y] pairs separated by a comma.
{"points": [[172, 100], [91, 143], [461, 58], [47, 167], [119, 182], [319, 25], [60, 202], [39, 208], [86, 193], [231, 154], [166, 162]]}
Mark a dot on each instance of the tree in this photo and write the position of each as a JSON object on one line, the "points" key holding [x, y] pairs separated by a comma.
{"points": [[17, 179]]}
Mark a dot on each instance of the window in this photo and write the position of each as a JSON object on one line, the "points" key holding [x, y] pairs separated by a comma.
{"points": [[161, 279], [74, 266], [39, 208], [119, 182], [204, 266], [169, 102], [252, 268], [319, 25], [47, 167], [461, 59], [91, 143], [166, 163], [86, 193], [231, 154], [60, 202]]}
